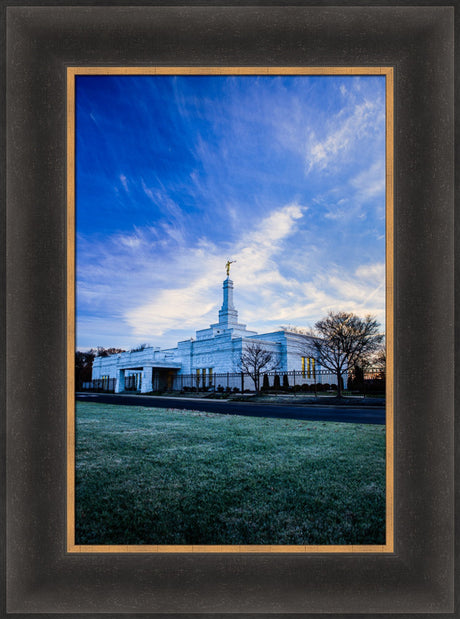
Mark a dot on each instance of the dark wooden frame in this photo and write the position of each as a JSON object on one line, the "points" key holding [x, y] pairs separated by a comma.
{"points": [[418, 41]]}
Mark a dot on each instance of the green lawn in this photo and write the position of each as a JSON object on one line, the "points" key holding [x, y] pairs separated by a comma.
{"points": [[163, 476]]}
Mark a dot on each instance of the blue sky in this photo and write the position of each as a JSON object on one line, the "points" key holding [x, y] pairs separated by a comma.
{"points": [[175, 174]]}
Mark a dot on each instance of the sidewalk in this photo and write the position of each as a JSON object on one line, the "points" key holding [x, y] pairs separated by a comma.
{"points": [[321, 400]]}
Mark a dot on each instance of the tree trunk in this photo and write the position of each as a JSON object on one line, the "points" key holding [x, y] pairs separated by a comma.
{"points": [[339, 384]]}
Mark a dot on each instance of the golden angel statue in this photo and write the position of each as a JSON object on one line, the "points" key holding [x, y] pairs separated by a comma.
{"points": [[227, 266]]}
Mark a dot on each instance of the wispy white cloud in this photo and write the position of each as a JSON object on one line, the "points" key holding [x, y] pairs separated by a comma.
{"points": [[193, 302], [361, 196], [371, 272], [158, 298], [369, 185], [342, 135], [303, 302], [124, 182]]}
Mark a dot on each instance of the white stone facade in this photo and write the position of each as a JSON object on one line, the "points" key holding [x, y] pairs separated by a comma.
{"points": [[215, 350]]}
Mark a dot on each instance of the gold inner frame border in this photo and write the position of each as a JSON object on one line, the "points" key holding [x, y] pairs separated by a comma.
{"points": [[72, 73]]}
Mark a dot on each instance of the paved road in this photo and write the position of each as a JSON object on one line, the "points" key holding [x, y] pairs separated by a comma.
{"points": [[317, 412]]}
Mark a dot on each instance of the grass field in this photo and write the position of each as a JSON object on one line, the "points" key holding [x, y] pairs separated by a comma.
{"points": [[158, 476]]}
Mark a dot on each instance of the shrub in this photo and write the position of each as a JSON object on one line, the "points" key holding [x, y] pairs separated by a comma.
{"points": [[276, 382], [357, 378], [265, 383], [285, 381], [376, 385]]}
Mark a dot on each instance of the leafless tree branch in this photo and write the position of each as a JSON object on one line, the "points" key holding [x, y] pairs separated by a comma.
{"points": [[344, 340], [255, 359]]}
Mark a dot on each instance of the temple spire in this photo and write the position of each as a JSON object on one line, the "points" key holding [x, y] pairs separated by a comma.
{"points": [[228, 315]]}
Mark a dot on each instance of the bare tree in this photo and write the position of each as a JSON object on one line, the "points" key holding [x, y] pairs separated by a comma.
{"points": [[379, 359], [106, 352], [344, 340], [295, 329], [83, 366], [139, 347], [255, 359]]}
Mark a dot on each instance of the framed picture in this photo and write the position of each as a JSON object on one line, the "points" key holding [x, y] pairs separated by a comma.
{"points": [[47, 571], [158, 228]]}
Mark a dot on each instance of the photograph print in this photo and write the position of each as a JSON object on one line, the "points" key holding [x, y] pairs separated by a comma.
{"points": [[231, 311]]}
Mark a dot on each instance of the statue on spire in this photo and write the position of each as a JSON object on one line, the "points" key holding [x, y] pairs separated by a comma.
{"points": [[227, 266]]}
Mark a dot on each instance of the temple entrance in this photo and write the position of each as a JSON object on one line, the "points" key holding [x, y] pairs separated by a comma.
{"points": [[163, 379], [133, 380]]}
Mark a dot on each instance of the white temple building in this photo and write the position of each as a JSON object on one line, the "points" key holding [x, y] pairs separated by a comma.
{"points": [[213, 354]]}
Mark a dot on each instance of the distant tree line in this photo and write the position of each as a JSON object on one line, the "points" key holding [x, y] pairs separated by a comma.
{"points": [[84, 361]]}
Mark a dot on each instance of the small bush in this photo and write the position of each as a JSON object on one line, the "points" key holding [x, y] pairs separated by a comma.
{"points": [[265, 383], [285, 381]]}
